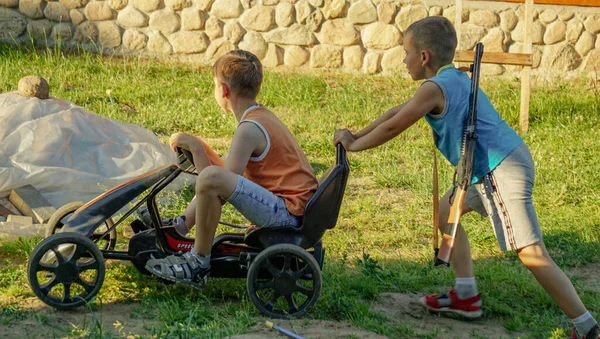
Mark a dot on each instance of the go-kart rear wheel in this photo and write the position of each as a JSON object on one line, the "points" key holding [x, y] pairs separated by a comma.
{"points": [[284, 281], [66, 270], [60, 217]]}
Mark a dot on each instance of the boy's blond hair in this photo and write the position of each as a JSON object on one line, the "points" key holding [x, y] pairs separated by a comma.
{"points": [[241, 71], [437, 35]]}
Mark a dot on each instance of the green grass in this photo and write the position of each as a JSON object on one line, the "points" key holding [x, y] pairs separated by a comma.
{"points": [[382, 239]]}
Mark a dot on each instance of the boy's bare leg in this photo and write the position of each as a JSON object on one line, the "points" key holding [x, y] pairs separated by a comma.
{"points": [[201, 161], [213, 183], [462, 263], [190, 214], [536, 258], [463, 299]]}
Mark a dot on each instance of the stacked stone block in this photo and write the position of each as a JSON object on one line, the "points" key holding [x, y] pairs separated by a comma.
{"points": [[350, 35]]}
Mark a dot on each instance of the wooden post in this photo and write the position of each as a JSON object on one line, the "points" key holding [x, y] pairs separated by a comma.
{"points": [[526, 71], [458, 21], [524, 58]]}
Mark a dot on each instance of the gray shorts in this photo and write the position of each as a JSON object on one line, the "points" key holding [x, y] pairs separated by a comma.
{"points": [[261, 207], [504, 194]]}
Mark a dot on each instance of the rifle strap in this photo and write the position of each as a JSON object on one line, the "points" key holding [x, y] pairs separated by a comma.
{"points": [[436, 202], [436, 207]]}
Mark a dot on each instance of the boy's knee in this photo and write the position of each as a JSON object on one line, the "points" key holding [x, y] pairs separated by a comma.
{"points": [[534, 254], [209, 179]]}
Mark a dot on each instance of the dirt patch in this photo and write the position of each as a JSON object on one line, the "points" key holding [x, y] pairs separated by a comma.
{"points": [[310, 329], [117, 319], [588, 275], [404, 308], [396, 307]]}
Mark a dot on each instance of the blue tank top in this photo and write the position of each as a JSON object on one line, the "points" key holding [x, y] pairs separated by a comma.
{"points": [[495, 139]]}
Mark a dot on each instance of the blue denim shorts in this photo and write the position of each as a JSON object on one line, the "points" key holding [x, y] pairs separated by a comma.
{"points": [[261, 207]]}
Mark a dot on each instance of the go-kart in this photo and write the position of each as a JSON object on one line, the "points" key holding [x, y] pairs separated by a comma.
{"points": [[282, 266]]}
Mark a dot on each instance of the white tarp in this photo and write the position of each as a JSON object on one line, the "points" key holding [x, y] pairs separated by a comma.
{"points": [[68, 153]]}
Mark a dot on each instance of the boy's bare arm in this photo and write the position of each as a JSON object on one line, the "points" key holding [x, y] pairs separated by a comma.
{"points": [[203, 155], [427, 98], [248, 139], [384, 117], [213, 157]]}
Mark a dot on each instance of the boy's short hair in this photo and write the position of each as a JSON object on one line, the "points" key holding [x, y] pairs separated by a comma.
{"points": [[241, 71], [436, 34]]}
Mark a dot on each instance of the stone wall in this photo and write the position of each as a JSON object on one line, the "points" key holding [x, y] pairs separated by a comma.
{"points": [[357, 35]]}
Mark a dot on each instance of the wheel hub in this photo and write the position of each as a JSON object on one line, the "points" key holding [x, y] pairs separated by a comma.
{"points": [[67, 273], [284, 284]]}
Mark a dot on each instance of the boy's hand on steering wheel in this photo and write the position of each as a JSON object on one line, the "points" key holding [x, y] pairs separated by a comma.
{"points": [[345, 137], [182, 140]]}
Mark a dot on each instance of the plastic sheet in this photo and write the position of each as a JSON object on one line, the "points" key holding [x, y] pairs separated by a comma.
{"points": [[70, 154]]}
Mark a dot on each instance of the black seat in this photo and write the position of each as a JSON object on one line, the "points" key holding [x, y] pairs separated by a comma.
{"points": [[320, 214]]}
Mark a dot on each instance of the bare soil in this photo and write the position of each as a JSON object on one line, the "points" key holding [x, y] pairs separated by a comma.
{"points": [[121, 320], [404, 308], [116, 318]]}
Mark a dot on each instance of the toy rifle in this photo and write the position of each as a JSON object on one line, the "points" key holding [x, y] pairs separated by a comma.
{"points": [[464, 170]]}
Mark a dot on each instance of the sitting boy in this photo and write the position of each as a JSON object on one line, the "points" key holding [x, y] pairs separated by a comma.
{"points": [[503, 173], [266, 175]]}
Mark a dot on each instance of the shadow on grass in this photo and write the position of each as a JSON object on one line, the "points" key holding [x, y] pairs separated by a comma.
{"points": [[375, 295]]}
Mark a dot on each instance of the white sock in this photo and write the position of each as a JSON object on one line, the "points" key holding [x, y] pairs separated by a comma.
{"points": [[584, 323], [466, 287], [180, 225], [204, 260]]}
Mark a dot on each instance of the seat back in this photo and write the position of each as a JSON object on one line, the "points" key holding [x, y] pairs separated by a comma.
{"points": [[320, 214], [322, 209]]}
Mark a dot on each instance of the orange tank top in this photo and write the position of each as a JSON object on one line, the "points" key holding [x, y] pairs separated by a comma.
{"points": [[283, 167]]}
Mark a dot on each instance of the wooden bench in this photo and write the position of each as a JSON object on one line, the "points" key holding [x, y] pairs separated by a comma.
{"points": [[523, 59]]}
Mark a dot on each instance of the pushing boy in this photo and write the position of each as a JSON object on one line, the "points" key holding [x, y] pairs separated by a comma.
{"points": [[503, 172], [266, 176]]}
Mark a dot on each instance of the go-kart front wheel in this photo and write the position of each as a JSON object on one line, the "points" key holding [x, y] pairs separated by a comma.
{"points": [[62, 215], [284, 281], [66, 270]]}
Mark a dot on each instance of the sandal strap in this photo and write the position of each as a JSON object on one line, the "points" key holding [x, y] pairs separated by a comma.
{"points": [[433, 299], [178, 267], [175, 260], [191, 260], [455, 303]]}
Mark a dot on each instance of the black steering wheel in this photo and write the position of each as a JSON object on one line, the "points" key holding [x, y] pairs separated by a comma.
{"points": [[186, 161]]}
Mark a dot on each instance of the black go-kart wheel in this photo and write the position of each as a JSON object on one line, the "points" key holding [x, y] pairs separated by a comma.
{"points": [[60, 217], [66, 270], [284, 281]]}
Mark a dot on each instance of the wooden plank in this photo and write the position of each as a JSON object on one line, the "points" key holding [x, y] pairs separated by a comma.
{"points": [[20, 219], [585, 3], [519, 59], [30, 201], [5, 212]]}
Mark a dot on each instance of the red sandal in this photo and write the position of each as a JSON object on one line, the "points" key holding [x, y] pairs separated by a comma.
{"points": [[594, 333], [468, 308]]}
